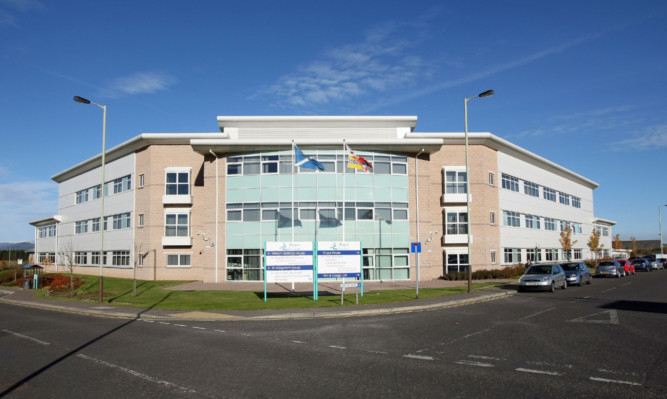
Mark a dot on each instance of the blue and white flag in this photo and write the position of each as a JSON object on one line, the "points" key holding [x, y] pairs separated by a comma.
{"points": [[304, 161]]}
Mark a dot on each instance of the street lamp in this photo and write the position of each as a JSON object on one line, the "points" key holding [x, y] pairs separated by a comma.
{"points": [[104, 139], [487, 93], [662, 251]]}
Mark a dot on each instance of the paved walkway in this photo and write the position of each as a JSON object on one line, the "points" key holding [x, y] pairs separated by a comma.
{"points": [[26, 298]]}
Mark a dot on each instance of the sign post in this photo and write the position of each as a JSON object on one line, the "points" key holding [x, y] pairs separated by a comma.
{"points": [[341, 259], [288, 262]]}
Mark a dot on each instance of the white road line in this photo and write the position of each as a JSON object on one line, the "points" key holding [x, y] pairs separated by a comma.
{"points": [[378, 352], [538, 371], [219, 330], [137, 374], [419, 357], [537, 314], [608, 289], [298, 342], [337, 347], [163, 322], [614, 381], [485, 357], [476, 333], [38, 341], [147, 321], [624, 284], [199, 328], [471, 363], [180, 325]]}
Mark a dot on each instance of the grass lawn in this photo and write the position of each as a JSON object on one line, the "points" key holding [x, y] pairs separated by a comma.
{"points": [[154, 295]]}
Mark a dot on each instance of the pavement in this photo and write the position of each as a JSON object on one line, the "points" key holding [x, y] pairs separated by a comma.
{"points": [[26, 298]]}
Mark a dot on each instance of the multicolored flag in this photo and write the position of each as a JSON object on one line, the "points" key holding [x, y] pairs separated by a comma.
{"points": [[357, 161]]}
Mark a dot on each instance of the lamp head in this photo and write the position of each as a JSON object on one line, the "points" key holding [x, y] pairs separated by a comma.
{"points": [[81, 100], [487, 93]]}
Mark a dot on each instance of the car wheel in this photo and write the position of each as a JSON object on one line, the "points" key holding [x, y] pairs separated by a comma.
{"points": [[564, 284], [553, 286], [590, 280]]}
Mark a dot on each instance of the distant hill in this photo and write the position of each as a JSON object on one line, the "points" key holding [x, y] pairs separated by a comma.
{"points": [[17, 246], [642, 244]]}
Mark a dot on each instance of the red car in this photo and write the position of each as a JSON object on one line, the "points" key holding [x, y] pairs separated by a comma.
{"points": [[629, 268]]}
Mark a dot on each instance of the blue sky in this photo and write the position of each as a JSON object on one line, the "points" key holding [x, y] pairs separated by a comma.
{"points": [[580, 83]]}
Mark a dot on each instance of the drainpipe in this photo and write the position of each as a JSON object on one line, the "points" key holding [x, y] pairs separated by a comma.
{"points": [[417, 198], [217, 206]]}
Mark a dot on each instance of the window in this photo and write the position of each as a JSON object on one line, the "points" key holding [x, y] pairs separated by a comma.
{"points": [[95, 225], [491, 179], [80, 258], [120, 258], [564, 224], [457, 263], [530, 255], [364, 214], [269, 164], [455, 182], [577, 254], [551, 254], [122, 184], [533, 222], [141, 180], [178, 260], [510, 182], [178, 183], [81, 227], [141, 220], [382, 165], [512, 255], [97, 191], [47, 231], [605, 232], [531, 189], [177, 225], [576, 228], [493, 257], [121, 221], [95, 258], [512, 219], [492, 218], [563, 198], [549, 224], [576, 202], [457, 223], [82, 196], [549, 194]]}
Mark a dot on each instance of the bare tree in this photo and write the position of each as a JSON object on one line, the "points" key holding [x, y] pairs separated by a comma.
{"points": [[68, 253], [138, 255]]}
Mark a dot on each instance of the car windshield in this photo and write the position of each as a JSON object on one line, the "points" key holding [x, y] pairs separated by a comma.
{"points": [[637, 262], [607, 263], [570, 267], [539, 270]]}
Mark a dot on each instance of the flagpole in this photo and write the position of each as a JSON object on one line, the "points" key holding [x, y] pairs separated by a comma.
{"points": [[344, 172], [292, 210]]}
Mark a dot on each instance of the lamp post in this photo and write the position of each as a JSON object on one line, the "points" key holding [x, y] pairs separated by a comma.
{"points": [[487, 93], [104, 139], [662, 251]]}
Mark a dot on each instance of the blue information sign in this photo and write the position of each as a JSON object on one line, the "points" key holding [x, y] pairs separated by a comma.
{"points": [[415, 247]]}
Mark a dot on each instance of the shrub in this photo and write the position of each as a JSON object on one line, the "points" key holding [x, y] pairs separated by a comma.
{"points": [[60, 282], [486, 274]]}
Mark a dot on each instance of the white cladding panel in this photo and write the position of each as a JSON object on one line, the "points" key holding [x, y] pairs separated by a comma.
{"points": [[522, 237], [113, 204]]}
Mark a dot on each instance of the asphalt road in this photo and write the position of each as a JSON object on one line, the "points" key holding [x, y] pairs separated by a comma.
{"points": [[600, 341]]}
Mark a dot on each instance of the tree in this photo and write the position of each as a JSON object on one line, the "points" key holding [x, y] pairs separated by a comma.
{"points": [[618, 244], [566, 241], [69, 255], [594, 243]]}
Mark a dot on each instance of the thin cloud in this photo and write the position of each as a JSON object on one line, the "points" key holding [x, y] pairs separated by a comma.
{"points": [[139, 83], [650, 138], [382, 61], [23, 202], [23, 5], [4, 171]]}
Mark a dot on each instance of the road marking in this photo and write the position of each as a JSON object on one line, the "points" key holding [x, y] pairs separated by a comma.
{"points": [[485, 357], [219, 330], [419, 357], [298, 342], [537, 314], [538, 371], [137, 374], [337, 347], [471, 363], [147, 321], [608, 289], [38, 341], [613, 318], [624, 284], [199, 328], [180, 325], [614, 381], [476, 333], [163, 322]]}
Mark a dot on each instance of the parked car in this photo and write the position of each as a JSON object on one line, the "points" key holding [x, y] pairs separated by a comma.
{"points": [[641, 264], [543, 277], [609, 268], [629, 269], [576, 273], [653, 263]]}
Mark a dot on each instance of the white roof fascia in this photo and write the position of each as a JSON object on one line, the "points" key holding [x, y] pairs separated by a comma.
{"points": [[335, 121], [492, 141], [47, 221], [129, 147], [604, 221]]}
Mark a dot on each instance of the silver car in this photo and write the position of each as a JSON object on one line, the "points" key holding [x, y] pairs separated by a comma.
{"points": [[609, 268], [543, 277]]}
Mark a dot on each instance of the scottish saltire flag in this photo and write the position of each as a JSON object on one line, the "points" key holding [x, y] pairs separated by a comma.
{"points": [[304, 161], [356, 161]]}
